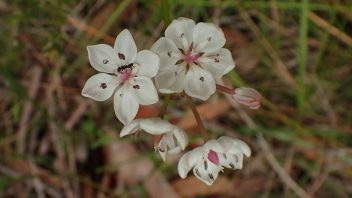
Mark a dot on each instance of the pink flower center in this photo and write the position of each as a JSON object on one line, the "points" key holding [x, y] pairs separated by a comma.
{"points": [[126, 75], [190, 58], [213, 157]]}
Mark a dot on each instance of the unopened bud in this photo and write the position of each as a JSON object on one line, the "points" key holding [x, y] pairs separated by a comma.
{"points": [[248, 97]]}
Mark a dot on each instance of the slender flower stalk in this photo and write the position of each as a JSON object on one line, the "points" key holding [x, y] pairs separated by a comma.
{"points": [[225, 89], [198, 118]]}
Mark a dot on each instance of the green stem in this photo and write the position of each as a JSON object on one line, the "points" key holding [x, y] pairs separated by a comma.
{"points": [[198, 119], [165, 9], [164, 107], [302, 54]]}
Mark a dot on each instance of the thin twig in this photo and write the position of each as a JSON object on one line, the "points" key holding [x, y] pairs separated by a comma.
{"points": [[265, 148], [330, 28], [280, 65]]}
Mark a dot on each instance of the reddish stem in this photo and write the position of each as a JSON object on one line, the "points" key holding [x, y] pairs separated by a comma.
{"points": [[225, 89], [198, 119]]}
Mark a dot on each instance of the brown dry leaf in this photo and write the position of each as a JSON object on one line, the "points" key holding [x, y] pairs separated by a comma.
{"points": [[157, 186], [207, 111], [132, 168], [192, 187], [123, 156]]}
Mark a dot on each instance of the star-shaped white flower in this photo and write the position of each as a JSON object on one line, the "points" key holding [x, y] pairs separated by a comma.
{"points": [[191, 58], [131, 76], [209, 159], [173, 139]]}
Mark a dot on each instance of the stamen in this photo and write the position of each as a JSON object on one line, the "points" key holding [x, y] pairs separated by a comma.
{"points": [[197, 172]]}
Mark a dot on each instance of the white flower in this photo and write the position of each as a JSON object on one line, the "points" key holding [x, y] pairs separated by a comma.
{"points": [[173, 139], [248, 97], [191, 58], [209, 159], [131, 80]]}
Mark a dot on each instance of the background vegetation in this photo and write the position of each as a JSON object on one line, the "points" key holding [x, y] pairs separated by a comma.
{"points": [[56, 143]]}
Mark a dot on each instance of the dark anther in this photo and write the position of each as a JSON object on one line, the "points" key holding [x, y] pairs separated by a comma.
{"points": [[136, 87], [205, 164], [211, 176], [183, 52], [182, 35], [196, 63], [103, 85], [224, 156], [197, 172], [175, 140], [201, 79], [216, 60], [161, 150], [121, 56], [105, 61], [169, 54], [179, 62], [232, 166], [209, 38], [191, 46], [200, 54], [236, 158]]}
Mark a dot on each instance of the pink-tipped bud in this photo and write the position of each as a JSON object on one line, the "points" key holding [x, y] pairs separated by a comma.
{"points": [[248, 97]]}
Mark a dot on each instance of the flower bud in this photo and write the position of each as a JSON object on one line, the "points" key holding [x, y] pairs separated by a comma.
{"points": [[248, 97]]}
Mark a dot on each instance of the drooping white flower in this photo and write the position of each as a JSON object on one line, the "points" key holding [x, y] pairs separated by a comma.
{"points": [[131, 76], [208, 159], [172, 138], [248, 97], [191, 58]]}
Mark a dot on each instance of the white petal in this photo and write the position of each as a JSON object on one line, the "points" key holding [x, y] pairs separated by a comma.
{"points": [[199, 83], [164, 46], [181, 32], [206, 171], [170, 80], [144, 90], [126, 47], [100, 86], [215, 146], [230, 160], [234, 145], [208, 37], [181, 137], [102, 58], [125, 106], [130, 128], [218, 63], [148, 63], [155, 126], [189, 160]]}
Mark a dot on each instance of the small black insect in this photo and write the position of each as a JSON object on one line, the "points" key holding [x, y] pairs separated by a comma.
{"points": [[123, 67]]}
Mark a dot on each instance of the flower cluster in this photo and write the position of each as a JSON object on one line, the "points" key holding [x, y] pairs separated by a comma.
{"points": [[189, 59]]}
